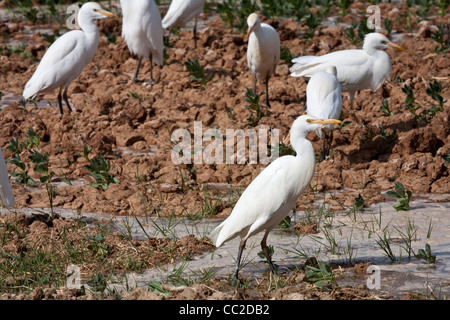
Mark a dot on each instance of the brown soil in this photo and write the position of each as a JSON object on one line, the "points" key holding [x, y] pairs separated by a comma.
{"points": [[109, 118]]}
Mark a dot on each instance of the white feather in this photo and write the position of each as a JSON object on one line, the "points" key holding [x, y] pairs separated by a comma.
{"points": [[181, 12], [142, 29], [6, 193]]}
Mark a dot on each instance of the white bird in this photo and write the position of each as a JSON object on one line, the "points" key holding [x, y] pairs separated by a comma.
{"points": [[143, 32], [68, 55], [263, 52], [6, 193], [356, 69], [181, 12], [273, 193], [324, 101]]}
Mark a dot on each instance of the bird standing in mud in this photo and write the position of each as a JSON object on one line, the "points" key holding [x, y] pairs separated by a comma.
{"points": [[6, 193], [263, 52], [273, 193], [143, 32], [357, 69], [324, 101], [68, 55], [181, 12]]}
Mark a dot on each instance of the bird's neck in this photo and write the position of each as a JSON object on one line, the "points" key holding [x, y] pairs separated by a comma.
{"points": [[302, 147], [87, 24]]}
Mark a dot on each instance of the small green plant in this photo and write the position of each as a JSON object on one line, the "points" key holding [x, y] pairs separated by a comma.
{"points": [[234, 13], [403, 197], [21, 176], [99, 169], [357, 37], [98, 246], [312, 22], [385, 135], [384, 242], [446, 158], [98, 283], [343, 6], [426, 254], [434, 91], [156, 287], [388, 25], [287, 56], [197, 72], [134, 95], [41, 166], [254, 105], [442, 4], [410, 104], [25, 7], [439, 37], [385, 108], [20, 49], [320, 275]]}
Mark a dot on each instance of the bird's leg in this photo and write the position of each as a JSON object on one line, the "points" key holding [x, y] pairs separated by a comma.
{"points": [[137, 70], [195, 32], [66, 99], [351, 96], [265, 250], [151, 70], [267, 92], [323, 155], [60, 101], [254, 85], [238, 263], [330, 141]]}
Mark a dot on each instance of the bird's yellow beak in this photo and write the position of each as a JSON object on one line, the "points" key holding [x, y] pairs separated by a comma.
{"points": [[395, 46], [249, 30], [323, 122], [106, 13]]}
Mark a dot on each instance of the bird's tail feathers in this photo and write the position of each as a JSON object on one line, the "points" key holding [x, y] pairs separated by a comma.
{"points": [[301, 70], [214, 235]]}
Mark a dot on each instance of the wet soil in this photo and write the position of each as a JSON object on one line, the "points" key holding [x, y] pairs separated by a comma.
{"points": [[130, 123]]}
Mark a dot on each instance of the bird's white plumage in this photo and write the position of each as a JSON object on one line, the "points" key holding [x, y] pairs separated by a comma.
{"points": [[142, 29], [273, 193], [263, 52], [181, 12], [6, 193], [68, 55], [323, 96], [367, 68]]}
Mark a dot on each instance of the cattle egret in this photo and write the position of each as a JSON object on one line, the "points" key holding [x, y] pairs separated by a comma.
{"points": [[273, 193], [6, 193], [324, 101], [263, 52], [68, 55], [357, 69], [143, 32], [181, 12]]}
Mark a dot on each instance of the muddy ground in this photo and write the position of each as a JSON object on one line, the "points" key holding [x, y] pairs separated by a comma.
{"points": [[130, 123]]}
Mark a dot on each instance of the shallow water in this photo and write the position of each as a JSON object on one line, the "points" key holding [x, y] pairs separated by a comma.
{"points": [[354, 236]]}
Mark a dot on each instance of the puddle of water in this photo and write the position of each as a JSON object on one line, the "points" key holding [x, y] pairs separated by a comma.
{"points": [[9, 98]]}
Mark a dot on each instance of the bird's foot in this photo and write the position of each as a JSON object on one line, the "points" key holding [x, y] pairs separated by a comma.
{"points": [[237, 282], [149, 83]]}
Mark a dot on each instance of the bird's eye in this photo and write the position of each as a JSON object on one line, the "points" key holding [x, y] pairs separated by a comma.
{"points": [[308, 120]]}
